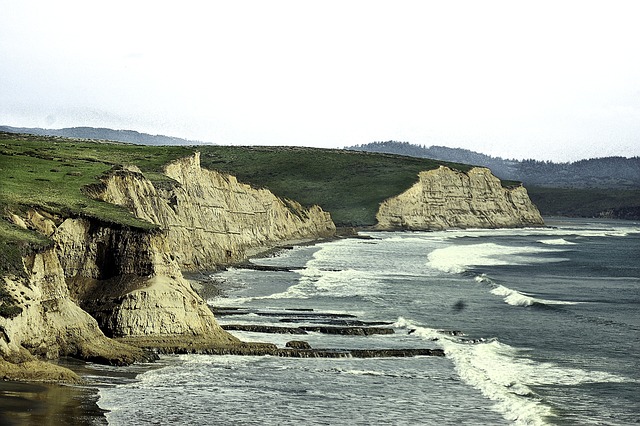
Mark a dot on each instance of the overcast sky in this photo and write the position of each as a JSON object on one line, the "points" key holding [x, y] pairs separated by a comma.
{"points": [[519, 79]]}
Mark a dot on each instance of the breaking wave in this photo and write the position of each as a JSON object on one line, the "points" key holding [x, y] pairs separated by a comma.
{"points": [[504, 376], [557, 242], [460, 258], [517, 298]]}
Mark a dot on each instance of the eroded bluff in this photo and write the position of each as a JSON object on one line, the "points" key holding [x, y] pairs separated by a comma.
{"points": [[101, 280], [444, 198], [210, 218]]}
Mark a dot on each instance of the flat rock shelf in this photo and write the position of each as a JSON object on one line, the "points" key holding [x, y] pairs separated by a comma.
{"points": [[303, 322]]}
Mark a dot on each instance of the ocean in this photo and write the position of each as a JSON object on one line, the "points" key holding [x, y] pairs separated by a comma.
{"points": [[539, 326]]}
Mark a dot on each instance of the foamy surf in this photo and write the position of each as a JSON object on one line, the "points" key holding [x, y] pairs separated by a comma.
{"points": [[557, 242], [502, 375], [460, 258], [337, 283], [490, 368], [517, 298]]}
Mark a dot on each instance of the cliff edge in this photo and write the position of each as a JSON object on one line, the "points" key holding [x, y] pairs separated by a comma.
{"points": [[103, 290], [98, 281], [444, 198]]}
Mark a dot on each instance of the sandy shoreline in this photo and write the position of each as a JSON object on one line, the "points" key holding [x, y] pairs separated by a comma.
{"points": [[32, 403], [49, 404]]}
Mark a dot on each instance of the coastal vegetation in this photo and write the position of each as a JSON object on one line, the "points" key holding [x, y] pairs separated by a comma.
{"points": [[96, 234], [598, 187], [51, 172], [587, 202]]}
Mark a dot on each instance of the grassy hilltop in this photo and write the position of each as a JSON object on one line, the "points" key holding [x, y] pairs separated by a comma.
{"points": [[50, 173]]}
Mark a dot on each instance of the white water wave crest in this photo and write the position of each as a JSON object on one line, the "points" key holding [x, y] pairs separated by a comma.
{"points": [[517, 298], [599, 230], [338, 283], [456, 259], [505, 377], [557, 242]]}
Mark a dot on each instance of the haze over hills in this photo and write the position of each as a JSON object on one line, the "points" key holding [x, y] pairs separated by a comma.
{"points": [[607, 172], [129, 136], [599, 187]]}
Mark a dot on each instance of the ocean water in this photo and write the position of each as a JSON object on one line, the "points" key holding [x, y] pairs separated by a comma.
{"points": [[546, 321]]}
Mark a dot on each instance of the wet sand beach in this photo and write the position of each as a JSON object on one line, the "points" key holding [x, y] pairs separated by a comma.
{"points": [[49, 404]]}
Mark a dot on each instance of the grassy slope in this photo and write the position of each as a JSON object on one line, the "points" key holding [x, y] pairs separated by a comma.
{"points": [[50, 172], [348, 184]]}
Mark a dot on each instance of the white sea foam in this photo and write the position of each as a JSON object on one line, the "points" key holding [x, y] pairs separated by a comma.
{"points": [[482, 278], [503, 376], [339, 283], [517, 298], [489, 367], [374, 373], [459, 258], [599, 230], [557, 242], [513, 297]]}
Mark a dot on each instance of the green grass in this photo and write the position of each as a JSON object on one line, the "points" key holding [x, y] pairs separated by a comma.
{"points": [[49, 173], [349, 184]]}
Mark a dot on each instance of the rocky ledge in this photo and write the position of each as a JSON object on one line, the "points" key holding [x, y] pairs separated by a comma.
{"points": [[305, 321], [298, 350], [305, 329]]}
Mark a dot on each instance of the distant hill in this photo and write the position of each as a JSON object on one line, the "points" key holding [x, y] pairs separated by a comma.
{"points": [[600, 187], [98, 133], [608, 172]]}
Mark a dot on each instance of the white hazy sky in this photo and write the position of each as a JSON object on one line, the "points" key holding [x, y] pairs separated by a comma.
{"points": [[520, 79]]}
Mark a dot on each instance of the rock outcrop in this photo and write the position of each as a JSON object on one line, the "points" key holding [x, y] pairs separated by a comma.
{"points": [[444, 198], [51, 325], [129, 281], [209, 217], [100, 280]]}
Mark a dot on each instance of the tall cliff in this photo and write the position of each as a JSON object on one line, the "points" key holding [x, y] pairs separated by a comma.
{"points": [[444, 198], [209, 217], [100, 280]]}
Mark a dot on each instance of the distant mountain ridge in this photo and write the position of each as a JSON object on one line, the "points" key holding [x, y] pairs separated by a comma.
{"points": [[101, 133], [607, 172]]}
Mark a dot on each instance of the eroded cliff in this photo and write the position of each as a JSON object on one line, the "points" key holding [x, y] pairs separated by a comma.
{"points": [[209, 217], [100, 280], [50, 323], [444, 198]]}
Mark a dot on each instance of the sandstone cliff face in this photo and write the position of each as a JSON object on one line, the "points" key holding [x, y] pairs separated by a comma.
{"points": [[444, 198], [102, 280], [209, 217], [130, 283], [51, 324]]}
